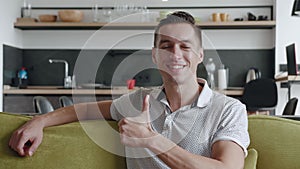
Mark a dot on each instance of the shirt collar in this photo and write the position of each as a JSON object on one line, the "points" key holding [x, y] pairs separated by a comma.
{"points": [[205, 94], [202, 100]]}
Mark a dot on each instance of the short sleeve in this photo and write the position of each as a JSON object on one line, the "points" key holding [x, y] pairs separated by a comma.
{"points": [[234, 126], [114, 112], [128, 105]]}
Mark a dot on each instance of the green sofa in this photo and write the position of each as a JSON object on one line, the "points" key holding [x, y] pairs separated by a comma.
{"points": [[275, 140]]}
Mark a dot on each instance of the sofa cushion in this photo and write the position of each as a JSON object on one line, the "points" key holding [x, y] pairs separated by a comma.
{"points": [[66, 146], [251, 159], [277, 141]]}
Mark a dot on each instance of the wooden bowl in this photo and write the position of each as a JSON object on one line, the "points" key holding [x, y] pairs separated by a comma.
{"points": [[70, 15], [47, 18]]}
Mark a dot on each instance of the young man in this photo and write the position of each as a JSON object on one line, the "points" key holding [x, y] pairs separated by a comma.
{"points": [[182, 125]]}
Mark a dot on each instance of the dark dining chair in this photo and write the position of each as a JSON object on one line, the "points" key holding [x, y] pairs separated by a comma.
{"points": [[290, 107], [260, 95], [42, 105], [65, 101]]}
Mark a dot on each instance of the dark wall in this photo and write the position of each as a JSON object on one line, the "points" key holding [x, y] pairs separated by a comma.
{"points": [[100, 66], [92, 66], [239, 61], [12, 62]]}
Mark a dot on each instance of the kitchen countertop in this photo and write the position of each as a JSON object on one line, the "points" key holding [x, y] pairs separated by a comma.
{"points": [[120, 90], [59, 90]]}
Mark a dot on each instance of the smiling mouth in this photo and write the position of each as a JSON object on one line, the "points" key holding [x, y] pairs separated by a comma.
{"points": [[176, 67]]}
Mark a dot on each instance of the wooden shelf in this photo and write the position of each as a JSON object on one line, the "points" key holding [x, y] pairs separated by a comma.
{"points": [[120, 26], [238, 25], [289, 78]]}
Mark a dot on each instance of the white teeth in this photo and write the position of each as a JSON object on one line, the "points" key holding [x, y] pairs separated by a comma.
{"points": [[177, 67]]}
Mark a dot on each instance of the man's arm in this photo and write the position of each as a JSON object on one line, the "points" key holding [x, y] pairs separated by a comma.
{"points": [[225, 155], [28, 137]]}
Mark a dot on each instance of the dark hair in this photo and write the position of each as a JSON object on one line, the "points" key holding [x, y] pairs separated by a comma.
{"points": [[178, 17]]}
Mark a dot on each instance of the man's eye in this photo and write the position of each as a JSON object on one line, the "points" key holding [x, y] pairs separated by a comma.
{"points": [[165, 46], [185, 47]]}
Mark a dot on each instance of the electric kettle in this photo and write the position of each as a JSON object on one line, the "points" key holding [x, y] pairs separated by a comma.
{"points": [[252, 74]]}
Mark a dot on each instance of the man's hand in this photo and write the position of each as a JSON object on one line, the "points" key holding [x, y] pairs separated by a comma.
{"points": [[27, 138], [137, 131]]}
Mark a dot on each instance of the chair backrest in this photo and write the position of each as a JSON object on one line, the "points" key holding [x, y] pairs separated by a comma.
{"points": [[260, 95], [290, 107], [42, 105], [65, 101]]}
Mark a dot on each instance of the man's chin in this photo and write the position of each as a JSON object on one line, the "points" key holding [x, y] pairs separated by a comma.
{"points": [[178, 80]]}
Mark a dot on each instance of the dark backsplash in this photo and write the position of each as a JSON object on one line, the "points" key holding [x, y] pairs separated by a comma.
{"points": [[12, 62], [100, 66]]}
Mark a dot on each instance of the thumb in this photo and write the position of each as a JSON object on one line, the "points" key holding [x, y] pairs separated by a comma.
{"points": [[145, 109], [146, 104]]}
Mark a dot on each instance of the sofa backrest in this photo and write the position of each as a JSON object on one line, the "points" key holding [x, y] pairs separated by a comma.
{"points": [[277, 141]]}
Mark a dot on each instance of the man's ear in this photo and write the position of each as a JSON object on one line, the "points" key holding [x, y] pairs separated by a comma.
{"points": [[154, 50], [201, 55]]}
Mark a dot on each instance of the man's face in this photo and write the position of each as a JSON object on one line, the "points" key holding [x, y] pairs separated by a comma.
{"points": [[177, 53]]}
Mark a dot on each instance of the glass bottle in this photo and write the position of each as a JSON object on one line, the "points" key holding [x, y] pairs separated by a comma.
{"points": [[211, 68], [26, 9], [95, 13]]}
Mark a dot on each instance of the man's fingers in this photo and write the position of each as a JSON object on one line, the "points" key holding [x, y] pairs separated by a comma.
{"points": [[20, 149], [33, 147], [20, 144]]}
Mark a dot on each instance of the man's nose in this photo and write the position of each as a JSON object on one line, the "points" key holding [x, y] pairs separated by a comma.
{"points": [[177, 52]]}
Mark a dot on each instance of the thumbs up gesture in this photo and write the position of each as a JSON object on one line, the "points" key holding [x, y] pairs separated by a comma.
{"points": [[136, 131]]}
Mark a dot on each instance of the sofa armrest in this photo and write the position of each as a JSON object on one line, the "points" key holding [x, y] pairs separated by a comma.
{"points": [[65, 146]]}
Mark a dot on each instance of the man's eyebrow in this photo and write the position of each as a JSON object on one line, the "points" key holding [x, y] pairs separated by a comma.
{"points": [[181, 41], [186, 41]]}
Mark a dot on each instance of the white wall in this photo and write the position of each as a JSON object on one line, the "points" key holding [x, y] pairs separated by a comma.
{"points": [[221, 39], [9, 11], [87, 3], [287, 32]]}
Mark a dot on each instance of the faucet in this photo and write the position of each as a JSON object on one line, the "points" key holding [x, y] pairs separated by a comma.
{"points": [[67, 79]]}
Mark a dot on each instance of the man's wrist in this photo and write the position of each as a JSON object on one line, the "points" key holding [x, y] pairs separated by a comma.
{"points": [[40, 120]]}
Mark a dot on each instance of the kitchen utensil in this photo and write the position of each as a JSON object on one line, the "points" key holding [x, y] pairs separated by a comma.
{"points": [[224, 17], [70, 15], [262, 18], [251, 17], [94, 86], [215, 17], [47, 18]]}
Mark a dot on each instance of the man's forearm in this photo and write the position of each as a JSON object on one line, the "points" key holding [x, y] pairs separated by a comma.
{"points": [[176, 157], [62, 115], [81, 111]]}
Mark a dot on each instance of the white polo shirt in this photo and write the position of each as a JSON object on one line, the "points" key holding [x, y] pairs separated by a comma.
{"points": [[212, 117]]}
